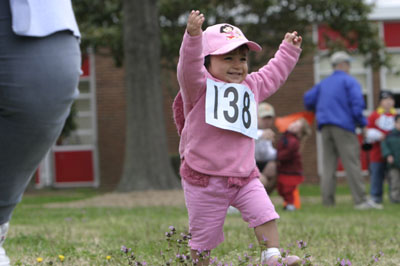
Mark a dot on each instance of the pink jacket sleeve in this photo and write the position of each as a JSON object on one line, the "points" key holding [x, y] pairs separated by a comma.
{"points": [[270, 77], [191, 70]]}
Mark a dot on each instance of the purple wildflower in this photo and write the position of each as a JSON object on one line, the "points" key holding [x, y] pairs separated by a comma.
{"points": [[301, 244], [264, 238], [124, 249]]}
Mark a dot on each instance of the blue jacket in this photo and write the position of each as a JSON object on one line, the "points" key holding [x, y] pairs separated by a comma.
{"points": [[337, 100]]}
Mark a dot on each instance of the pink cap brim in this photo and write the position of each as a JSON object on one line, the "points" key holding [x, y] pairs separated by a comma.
{"points": [[232, 46]]}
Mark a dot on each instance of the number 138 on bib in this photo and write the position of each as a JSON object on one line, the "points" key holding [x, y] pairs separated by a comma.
{"points": [[231, 106]]}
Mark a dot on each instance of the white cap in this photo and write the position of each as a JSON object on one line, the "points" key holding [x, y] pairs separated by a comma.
{"points": [[340, 57], [265, 110]]}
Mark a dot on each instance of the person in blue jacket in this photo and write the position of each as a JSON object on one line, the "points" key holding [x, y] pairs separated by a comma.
{"points": [[40, 65], [338, 104]]}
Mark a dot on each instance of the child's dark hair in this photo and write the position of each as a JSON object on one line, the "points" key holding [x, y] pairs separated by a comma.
{"points": [[207, 61], [397, 117], [241, 48]]}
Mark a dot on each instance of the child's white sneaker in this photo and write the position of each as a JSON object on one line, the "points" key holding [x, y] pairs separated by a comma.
{"points": [[278, 260], [290, 207], [4, 260], [368, 204]]}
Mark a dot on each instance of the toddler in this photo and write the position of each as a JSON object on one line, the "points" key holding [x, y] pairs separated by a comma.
{"points": [[391, 152], [380, 123], [216, 115], [290, 170]]}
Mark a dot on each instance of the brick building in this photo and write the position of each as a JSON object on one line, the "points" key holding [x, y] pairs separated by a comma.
{"points": [[100, 138]]}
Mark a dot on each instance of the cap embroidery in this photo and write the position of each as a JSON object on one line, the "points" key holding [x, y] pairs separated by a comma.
{"points": [[230, 32]]}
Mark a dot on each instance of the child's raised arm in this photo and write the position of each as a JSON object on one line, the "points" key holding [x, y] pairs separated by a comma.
{"points": [[191, 70], [271, 76], [293, 38], [194, 23]]}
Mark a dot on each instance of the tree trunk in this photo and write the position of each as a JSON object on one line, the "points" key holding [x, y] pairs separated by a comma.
{"points": [[147, 164]]}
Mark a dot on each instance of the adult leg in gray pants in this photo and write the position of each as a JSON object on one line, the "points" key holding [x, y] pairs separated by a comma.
{"points": [[394, 181], [338, 142], [37, 87], [38, 83]]}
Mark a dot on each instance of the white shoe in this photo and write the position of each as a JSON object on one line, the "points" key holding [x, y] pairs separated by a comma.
{"points": [[375, 205], [278, 260], [290, 207], [368, 204], [4, 260]]}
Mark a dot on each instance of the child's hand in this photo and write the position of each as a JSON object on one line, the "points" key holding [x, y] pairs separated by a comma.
{"points": [[268, 134], [194, 23], [390, 159], [293, 38]]}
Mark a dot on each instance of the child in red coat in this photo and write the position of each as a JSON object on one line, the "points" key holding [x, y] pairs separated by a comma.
{"points": [[290, 169], [380, 123]]}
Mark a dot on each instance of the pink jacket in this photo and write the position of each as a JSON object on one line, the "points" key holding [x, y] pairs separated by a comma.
{"points": [[208, 149]]}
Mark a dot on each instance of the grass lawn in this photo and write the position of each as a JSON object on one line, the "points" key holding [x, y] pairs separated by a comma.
{"points": [[87, 235]]}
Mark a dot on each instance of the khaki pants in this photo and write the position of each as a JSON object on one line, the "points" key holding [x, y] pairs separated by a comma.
{"points": [[337, 142], [394, 179]]}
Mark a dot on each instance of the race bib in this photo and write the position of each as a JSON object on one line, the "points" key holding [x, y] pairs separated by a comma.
{"points": [[231, 106]]}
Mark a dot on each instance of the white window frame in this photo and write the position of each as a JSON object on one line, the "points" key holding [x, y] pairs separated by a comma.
{"points": [[384, 70], [47, 167]]}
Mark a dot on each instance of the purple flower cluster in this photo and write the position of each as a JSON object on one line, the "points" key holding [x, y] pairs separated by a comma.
{"points": [[177, 252], [343, 262], [376, 258], [301, 244], [131, 257]]}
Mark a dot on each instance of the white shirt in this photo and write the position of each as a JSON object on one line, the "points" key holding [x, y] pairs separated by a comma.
{"points": [[264, 150], [41, 18]]}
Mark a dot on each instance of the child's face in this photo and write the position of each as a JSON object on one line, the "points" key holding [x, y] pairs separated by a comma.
{"points": [[231, 67], [265, 122], [387, 103], [295, 127]]}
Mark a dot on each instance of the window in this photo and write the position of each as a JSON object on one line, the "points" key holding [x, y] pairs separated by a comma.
{"points": [[84, 110], [390, 78]]}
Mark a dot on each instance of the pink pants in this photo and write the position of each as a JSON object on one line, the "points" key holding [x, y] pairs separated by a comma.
{"points": [[207, 208]]}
